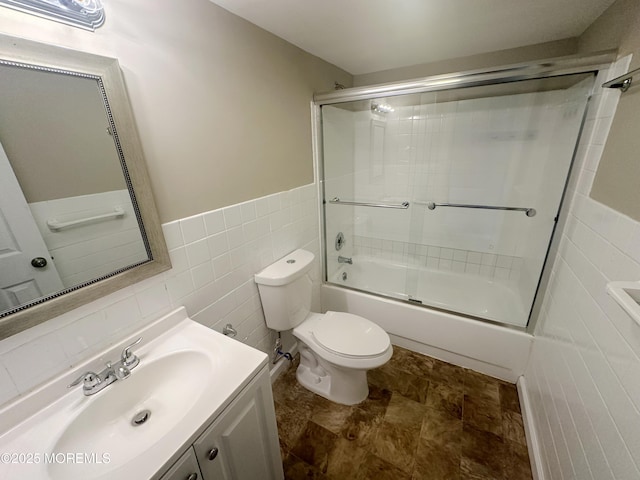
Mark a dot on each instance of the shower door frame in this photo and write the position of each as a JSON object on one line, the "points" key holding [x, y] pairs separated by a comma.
{"points": [[542, 69]]}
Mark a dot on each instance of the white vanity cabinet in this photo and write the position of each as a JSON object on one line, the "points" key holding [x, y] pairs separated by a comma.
{"points": [[186, 468], [240, 444]]}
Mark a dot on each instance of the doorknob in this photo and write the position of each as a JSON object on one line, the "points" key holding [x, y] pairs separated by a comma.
{"points": [[39, 262]]}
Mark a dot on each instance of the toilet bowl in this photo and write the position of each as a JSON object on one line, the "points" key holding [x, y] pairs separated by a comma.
{"points": [[336, 348]]}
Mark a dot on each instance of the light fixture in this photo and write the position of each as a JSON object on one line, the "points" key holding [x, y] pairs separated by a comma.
{"points": [[86, 14], [381, 108]]}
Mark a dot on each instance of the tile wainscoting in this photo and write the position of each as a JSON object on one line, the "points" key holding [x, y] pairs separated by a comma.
{"points": [[214, 257]]}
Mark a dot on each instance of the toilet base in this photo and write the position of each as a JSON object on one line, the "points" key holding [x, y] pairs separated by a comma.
{"points": [[346, 386]]}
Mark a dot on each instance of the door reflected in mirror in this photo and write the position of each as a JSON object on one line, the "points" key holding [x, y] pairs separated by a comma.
{"points": [[67, 215]]}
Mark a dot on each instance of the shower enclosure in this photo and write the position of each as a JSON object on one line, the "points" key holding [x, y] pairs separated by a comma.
{"points": [[448, 197]]}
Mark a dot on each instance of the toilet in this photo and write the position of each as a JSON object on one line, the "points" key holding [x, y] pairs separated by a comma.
{"points": [[336, 348]]}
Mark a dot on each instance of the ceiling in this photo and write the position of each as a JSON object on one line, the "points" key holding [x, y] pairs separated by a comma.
{"points": [[364, 36]]}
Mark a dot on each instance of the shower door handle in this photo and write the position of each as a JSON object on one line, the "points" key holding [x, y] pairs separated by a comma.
{"points": [[402, 206], [529, 212]]}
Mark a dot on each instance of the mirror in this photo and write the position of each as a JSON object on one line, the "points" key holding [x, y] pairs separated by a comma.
{"points": [[77, 218]]}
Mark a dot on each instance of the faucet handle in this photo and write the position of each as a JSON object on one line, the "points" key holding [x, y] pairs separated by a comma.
{"points": [[90, 380], [128, 359]]}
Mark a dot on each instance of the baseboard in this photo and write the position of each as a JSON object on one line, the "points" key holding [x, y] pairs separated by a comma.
{"points": [[530, 431], [282, 365]]}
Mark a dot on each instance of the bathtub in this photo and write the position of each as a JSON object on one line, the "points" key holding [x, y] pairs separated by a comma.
{"points": [[467, 294], [496, 350]]}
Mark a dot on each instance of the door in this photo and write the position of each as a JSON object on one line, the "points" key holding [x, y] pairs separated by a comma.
{"points": [[20, 243]]}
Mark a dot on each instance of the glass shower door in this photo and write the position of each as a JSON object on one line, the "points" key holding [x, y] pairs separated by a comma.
{"points": [[450, 198]]}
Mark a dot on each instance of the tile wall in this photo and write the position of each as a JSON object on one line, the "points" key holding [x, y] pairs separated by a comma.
{"points": [[582, 377], [488, 265], [214, 257]]}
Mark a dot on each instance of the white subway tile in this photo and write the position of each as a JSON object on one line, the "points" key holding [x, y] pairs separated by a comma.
{"points": [[83, 334], [232, 216], [460, 255], [34, 362], [179, 286], [123, 314], [250, 230], [153, 299], [238, 257], [221, 265], [193, 229], [488, 259], [262, 207], [202, 274], [446, 253], [235, 236], [504, 261], [214, 222], [218, 244], [197, 252], [472, 269], [474, 257], [276, 220], [248, 211], [274, 203], [172, 235]]}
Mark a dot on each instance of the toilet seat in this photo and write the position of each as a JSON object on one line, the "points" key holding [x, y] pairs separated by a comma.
{"points": [[372, 353], [350, 335]]}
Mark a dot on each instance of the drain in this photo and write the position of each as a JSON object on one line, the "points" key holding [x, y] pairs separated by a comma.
{"points": [[140, 418], [344, 276]]}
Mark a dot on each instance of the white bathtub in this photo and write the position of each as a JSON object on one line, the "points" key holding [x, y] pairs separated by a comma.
{"points": [[468, 294], [492, 349]]}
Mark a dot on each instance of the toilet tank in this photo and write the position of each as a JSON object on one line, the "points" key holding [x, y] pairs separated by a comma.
{"points": [[285, 290]]}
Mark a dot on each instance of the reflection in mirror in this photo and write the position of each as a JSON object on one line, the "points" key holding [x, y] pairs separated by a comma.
{"points": [[75, 204], [56, 137]]}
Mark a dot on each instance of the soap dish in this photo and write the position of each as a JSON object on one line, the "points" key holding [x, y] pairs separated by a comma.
{"points": [[627, 295]]}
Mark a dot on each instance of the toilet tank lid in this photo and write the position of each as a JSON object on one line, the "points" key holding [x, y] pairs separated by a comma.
{"points": [[287, 269]]}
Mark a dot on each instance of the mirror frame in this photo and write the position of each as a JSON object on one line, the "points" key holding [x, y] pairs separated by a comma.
{"points": [[61, 60]]}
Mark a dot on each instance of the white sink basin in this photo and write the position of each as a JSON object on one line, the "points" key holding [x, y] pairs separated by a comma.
{"points": [[186, 376], [167, 388]]}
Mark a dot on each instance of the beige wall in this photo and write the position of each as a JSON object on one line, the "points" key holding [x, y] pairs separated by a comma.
{"points": [[223, 107], [617, 181], [54, 130], [558, 48]]}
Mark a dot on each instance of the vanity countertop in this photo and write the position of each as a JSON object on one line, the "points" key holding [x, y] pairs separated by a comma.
{"points": [[187, 375]]}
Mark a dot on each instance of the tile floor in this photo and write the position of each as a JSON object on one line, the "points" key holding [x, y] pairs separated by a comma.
{"points": [[424, 419]]}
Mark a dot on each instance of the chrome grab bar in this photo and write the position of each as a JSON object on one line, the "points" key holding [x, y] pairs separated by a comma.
{"points": [[529, 212], [403, 205]]}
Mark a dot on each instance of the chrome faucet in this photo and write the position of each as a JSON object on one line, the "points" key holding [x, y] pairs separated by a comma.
{"points": [[92, 382], [342, 259]]}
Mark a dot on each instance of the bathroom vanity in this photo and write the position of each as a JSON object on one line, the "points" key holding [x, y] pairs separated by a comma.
{"points": [[237, 444], [198, 406]]}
